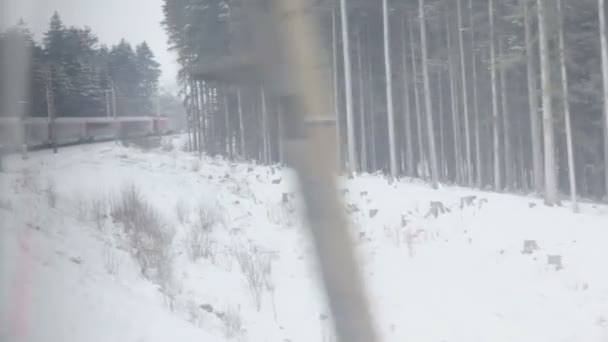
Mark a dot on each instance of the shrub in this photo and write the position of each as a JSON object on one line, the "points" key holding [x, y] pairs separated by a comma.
{"points": [[233, 325], [147, 235], [257, 268], [200, 242], [98, 211], [111, 260]]}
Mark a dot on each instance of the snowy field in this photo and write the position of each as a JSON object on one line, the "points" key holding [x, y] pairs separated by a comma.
{"points": [[439, 265]]}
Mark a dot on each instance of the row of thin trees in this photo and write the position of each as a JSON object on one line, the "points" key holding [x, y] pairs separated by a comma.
{"points": [[508, 95]]}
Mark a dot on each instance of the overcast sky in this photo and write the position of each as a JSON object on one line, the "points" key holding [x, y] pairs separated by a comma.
{"points": [[111, 20]]}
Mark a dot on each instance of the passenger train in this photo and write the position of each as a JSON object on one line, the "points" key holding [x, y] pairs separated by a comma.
{"points": [[37, 132]]}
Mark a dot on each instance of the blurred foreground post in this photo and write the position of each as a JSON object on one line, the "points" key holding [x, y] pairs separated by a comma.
{"points": [[310, 137], [286, 61]]}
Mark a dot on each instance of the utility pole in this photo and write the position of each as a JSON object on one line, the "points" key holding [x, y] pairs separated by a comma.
{"points": [[50, 107], [113, 101], [108, 103], [117, 126]]}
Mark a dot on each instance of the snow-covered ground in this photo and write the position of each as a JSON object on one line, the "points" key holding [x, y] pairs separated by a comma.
{"points": [[439, 265]]}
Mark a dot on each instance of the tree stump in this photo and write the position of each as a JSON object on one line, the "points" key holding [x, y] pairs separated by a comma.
{"points": [[555, 260], [436, 209], [530, 246], [467, 201], [373, 212]]}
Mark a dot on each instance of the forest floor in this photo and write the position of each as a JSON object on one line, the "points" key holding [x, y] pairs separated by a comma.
{"points": [[452, 264]]}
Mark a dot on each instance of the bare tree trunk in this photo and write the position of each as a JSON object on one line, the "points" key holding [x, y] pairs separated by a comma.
{"points": [[454, 109], [442, 159], [421, 156], [407, 119], [241, 123], [566, 104], [497, 177], [280, 132], [350, 119], [336, 100], [389, 92], [476, 126], [228, 137], [551, 193], [195, 117], [363, 131], [52, 114], [202, 114], [506, 125], [465, 98], [427, 99], [604, 45], [535, 124], [188, 129], [265, 139], [372, 121]]}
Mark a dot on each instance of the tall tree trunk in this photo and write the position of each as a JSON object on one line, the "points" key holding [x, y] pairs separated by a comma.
{"points": [[407, 119], [265, 138], [566, 104], [190, 92], [197, 115], [476, 119], [421, 157], [51, 111], [202, 114], [372, 119], [228, 138], [496, 131], [551, 193], [442, 158], [506, 125], [336, 100], [389, 92], [350, 119], [280, 132], [465, 98], [604, 45], [427, 98], [363, 131], [454, 107], [241, 123], [535, 124], [189, 129]]}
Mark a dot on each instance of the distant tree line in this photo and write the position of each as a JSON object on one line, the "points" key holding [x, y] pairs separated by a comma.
{"points": [[510, 95], [71, 74]]}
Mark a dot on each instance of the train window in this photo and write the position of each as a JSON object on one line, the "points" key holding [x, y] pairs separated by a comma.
{"points": [[292, 170]]}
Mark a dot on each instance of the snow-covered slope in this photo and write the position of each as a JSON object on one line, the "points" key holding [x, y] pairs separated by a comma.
{"points": [[440, 265]]}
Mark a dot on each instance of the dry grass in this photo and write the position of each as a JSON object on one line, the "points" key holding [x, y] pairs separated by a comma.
{"points": [[233, 325], [98, 211], [201, 244], [148, 237], [256, 265]]}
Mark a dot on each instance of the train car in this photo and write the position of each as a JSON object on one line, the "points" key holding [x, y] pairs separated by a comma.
{"points": [[39, 132]]}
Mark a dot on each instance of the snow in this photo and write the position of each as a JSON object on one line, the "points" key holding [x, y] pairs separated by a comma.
{"points": [[460, 275]]}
